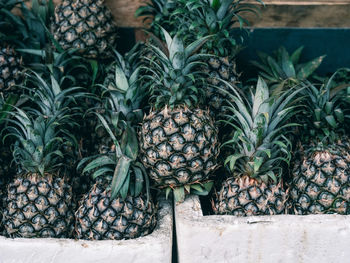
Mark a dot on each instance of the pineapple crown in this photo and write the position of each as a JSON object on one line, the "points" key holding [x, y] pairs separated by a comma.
{"points": [[158, 13], [174, 74], [217, 18], [67, 67], [127, 174], [122, 89], [120, 119], [38, 144], [283, 71], [51, 101], [323, 118], [29, 29], [259, 142]]}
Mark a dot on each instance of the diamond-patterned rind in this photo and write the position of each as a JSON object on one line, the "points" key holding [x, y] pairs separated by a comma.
{"points": [[38, 207], [321, 181], [220, 68], [179, 146], [243, 196], [99, 217], [86, 25], [10, 64]]}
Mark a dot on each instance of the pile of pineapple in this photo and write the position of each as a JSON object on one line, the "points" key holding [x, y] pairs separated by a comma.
{"points": [[90, 137]]}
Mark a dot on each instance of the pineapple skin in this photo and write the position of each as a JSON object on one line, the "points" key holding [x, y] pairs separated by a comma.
{"points": [[87, 25], [179, 146], [244, 196], [321, 180], [39, 206], [220, 68], [99, 217], [10, 63]]}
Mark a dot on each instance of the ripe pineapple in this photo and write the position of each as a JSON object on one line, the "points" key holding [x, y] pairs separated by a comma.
{"points": [[259, 149], [44, 152], [178, 140], [86, 25], [320, 181], [117, 207], [283, 71], [39, 199], [216, 19]]}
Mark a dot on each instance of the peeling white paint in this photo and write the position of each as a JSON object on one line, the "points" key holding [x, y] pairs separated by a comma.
{"points": [[260, 239], [156, 247]]}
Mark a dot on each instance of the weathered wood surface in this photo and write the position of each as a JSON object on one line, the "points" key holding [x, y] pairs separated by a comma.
{"points": [[305, 2], [276, 13], [303, 16]]}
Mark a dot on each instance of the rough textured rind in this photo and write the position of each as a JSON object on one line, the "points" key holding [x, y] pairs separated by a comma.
{"points": [[179, 146], [246, 197], [220, 68], [38, 207], [86, 25], [99, 217], [321, 181], [10, 64]]}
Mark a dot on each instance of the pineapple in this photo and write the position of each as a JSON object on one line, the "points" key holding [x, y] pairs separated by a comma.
{"points": [[178, 140], [39, 199], [259, 149], [320, 182], [283, 71], [86, 25], [215, 18], [117, 207]]}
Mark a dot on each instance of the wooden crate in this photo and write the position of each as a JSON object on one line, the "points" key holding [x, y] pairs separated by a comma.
{"points": [[276, 13]]}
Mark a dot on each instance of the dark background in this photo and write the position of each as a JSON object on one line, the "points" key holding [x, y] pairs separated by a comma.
{"points": [[333, 42]]}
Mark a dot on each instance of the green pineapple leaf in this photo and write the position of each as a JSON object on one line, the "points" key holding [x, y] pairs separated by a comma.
{"points": [[308, 68], [120, 80], [98, 162], [283, 71], [179, 194], [167, 192], [120, 175], [139, 180], [208, 186]]}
